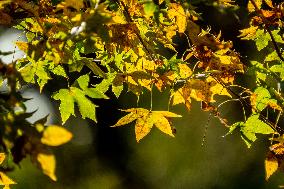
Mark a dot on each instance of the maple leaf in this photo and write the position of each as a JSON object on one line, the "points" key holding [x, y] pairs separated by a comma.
{"points": [[271, 165], [177, 12], [252, 126], [145, 120], [251, 7], [69, 97], [47, 163], [4, 179]]}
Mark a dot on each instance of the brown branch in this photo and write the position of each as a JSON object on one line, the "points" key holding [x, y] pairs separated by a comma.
{"points": [[267, 29]]}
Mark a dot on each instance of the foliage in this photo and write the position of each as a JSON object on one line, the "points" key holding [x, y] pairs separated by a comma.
{"points": [[133, 48]]}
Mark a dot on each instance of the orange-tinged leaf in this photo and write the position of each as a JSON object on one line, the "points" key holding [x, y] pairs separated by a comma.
{"points": [[22, 45], [271, 165], [54, 136], [162, 123], [269, 3], [277, 149], [48, 164], [2, 157], [251, 7], [5, 180]]}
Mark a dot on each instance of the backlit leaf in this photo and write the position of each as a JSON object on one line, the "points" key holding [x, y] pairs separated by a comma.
{"points": [[251, 7], [260, 98], [2, 157], [271, 165], [5, 180], [47, 163], [66, 103], [146, 119], [177, 12], [54, 136]]}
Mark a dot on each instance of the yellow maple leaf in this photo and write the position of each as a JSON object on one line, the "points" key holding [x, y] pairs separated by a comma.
{"points": [[22, 45], [54, 136], [2, 157], [206, 90], [271, 165], [248, 33], [182, 96], [146, 119], [47, 163], [184, 71], [5, 180], [177, 12], [251, 7]]}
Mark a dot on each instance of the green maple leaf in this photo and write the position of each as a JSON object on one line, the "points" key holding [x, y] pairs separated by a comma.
{"points": [[262, 39], [75, 95], [278, 69], [250, 128], [36, 69]]}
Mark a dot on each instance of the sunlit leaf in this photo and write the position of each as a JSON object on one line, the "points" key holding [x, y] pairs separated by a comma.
{"points": [[177, 12], [5, 180], [251, 7], [47, 163], [2, 157], [54, 136], [271, 165], [146, 119]]}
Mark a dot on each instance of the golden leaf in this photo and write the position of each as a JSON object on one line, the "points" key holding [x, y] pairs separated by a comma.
{"points": [[48, 164], [271, 165], [22, 45], [278, 148], [5, 180], [177, 12], [135, 113], [143, 126], [248, 33], [251, 7], [162, 123], [145, 120], [182, 96], [161, 1], [269, 3], [54, 136], [184, 71], [2, 157]]}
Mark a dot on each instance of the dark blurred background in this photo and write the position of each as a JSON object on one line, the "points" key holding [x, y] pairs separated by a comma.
{"points": [[102, 157]]}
